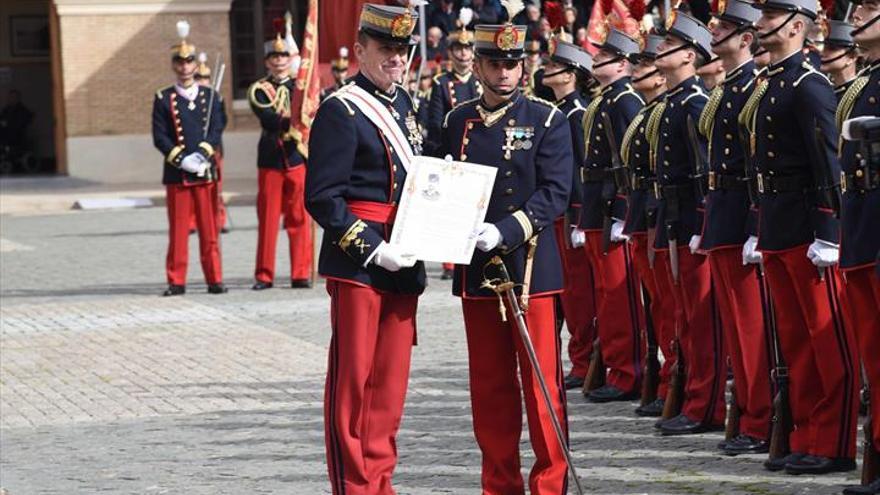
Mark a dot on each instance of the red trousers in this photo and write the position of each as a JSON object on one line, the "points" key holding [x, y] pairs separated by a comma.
{"points": [[494, 347], [619, 309], [281, 192], [219, 207], [662, 309], [182, 203], [578, 301], [862, 289], [700, 335], [820, 352], [738, 292], [367, 376]]}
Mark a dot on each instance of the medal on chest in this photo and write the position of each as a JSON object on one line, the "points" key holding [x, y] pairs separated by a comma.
{"points": [[517, 138], [415, 133]]}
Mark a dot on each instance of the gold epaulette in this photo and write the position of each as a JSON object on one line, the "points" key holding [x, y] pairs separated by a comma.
{"points": [[437, 77], [553, 109], [707, 117], [162, 90]]}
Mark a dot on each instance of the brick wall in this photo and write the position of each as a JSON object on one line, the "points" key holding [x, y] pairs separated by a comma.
{"points": [[113, 64]]}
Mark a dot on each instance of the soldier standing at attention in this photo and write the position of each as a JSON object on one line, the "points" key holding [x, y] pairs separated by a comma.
{"points": [[730, 222], [529, 141], [797, 171], [687, 45], [280, 160], [568, 66], [187, 125], [860, 228], [618, 303], [641, 212], [363, 139]]}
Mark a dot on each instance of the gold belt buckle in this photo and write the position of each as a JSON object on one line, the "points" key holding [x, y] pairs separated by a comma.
{"points": [[761, 183], [711, 180], [842, 181]]}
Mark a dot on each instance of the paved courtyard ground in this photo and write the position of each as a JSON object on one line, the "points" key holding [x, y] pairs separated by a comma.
{"points": [[107, 388]]}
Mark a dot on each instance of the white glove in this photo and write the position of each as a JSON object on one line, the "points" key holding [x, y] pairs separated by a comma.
{"points": [[389, 257], [194, 163], [750, 253], [823, 253], [617, 234], [694, 244], [488, 237], [578, 237]]}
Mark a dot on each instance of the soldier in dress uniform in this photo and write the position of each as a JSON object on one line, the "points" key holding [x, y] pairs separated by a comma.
{"points": [[641, 212], [860, 228], [730, 222], [796, 172], [281, 164], [529, 142], [712, 74], [339, 69], [187, 125], [363, 139], [679, 222], [568, 66], [839, 57], [453, 86], [203, 78], [617, 299]]}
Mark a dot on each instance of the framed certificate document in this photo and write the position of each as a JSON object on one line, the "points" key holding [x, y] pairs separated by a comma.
{"points": [[443, 202]]}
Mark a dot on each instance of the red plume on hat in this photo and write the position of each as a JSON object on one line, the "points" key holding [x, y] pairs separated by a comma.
{"points": [[555, 14], [827, 6], [637, 9], [278, 25]]}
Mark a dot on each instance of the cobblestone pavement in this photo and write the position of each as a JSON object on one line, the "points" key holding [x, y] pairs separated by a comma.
{"points": [[107, 388]]}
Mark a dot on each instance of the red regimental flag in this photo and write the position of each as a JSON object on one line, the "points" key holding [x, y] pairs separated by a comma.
{"points": [[307, 93]]}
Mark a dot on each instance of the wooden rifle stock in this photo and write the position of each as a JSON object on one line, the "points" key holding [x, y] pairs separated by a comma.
{"points": [[782, 421], [651, 375], [596, 372], [871, 457], [675, 395], [731, 428]]}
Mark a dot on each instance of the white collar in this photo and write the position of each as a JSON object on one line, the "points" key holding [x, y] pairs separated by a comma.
{"points": [[190, 93]]}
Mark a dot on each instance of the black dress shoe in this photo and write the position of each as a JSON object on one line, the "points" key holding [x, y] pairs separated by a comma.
{"points": [[447, 275], [300, 283], [609, 393], [260, 285], [653, 409], [744, 444], [217, 289], [573, 382], [778, 464], [872, 488], [682, 425], [174, 290], [816, 464]]}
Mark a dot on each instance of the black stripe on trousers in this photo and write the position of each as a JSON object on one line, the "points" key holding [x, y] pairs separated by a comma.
{"points": [[843, 441], [336, 466], [769, 321], [633, 314], [720, 373]]}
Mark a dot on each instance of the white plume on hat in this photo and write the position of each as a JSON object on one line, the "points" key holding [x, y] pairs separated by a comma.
{"points": [[513, 7], [182, 29], [203, 57], [465, 16], [343, 52]]}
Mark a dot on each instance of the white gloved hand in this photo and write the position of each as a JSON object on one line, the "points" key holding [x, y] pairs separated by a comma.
{"points": [[617, 234], [578, 237], [488, 237], [823, 253], [194, 163], [750, 253], [389, 257], [694, 244]]}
